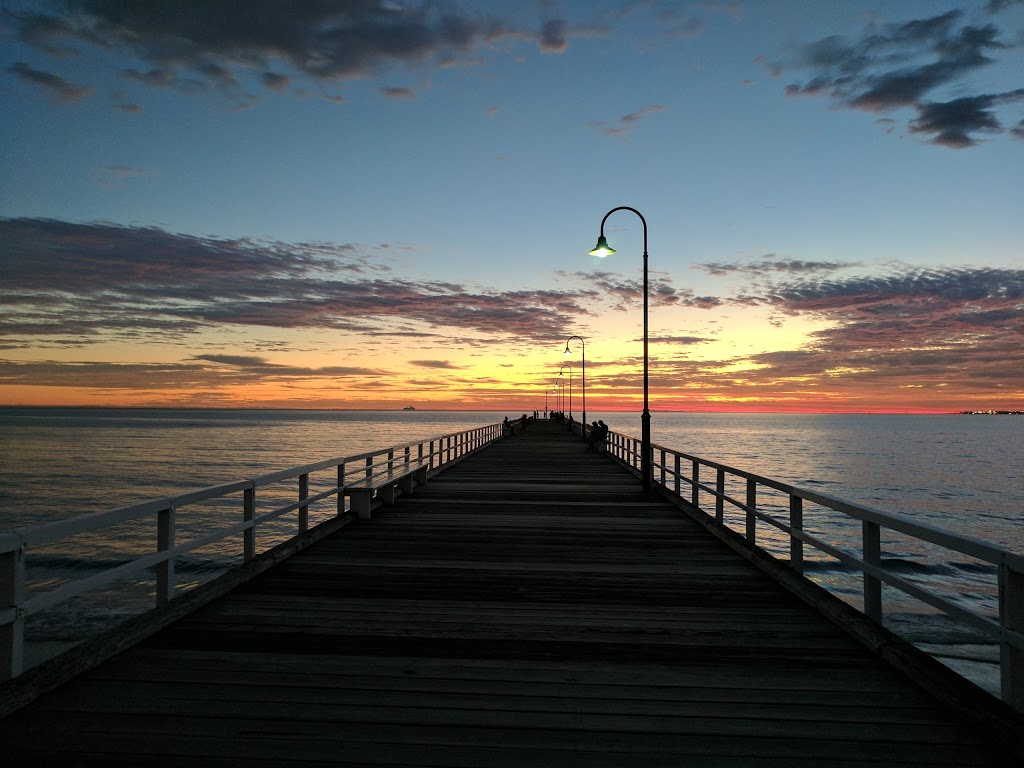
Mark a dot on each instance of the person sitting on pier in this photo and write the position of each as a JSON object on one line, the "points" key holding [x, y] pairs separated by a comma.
{"points": [[595, 441]]}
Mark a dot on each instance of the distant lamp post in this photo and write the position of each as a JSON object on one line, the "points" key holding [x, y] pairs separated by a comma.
{"points": [[602, 249], [564, 366], [584, 346]]}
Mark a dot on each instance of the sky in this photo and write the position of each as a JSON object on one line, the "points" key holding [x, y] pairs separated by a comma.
{"points": [[390, 203]]}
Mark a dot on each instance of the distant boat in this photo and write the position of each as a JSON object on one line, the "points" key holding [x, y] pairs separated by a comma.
{"points": [[408, 408]]}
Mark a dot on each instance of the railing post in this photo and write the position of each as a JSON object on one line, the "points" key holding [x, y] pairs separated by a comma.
{"points": [[165, 533], [719, 497], [408, 455], [796, 524], [341, 489], [872, 536], [248, 515], [679, 472], [751, 506], [431, 454], [1011, 618], [391, 460], [663, 466], [695, 489], [304, 509], [369, 467], [12, 594]]}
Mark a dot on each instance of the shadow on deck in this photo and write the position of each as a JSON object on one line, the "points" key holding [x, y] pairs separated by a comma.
{"points": [[527, 607]]}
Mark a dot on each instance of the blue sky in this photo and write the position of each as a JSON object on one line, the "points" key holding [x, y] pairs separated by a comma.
{"points": [[832, 189]]}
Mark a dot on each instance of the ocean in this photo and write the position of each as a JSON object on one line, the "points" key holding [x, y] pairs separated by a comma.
{"points": [[957, 472]]}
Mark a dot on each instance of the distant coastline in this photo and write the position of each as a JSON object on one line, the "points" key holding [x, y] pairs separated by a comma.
{"points": [[992, 413]]}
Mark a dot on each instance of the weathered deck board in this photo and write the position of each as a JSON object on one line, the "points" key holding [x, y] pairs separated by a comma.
{"points": [[529, 607]]}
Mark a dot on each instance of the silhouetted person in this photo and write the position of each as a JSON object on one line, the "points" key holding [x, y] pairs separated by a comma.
{"points": [[524, 423], [506, 427], [598, 432]]}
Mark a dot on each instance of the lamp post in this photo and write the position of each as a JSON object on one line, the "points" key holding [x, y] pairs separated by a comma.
{"points": [[584, 346], [564, 366], [602, 249]]}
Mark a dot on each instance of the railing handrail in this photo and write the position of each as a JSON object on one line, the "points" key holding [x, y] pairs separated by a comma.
{"points": [[59, 529], [1008, 629], [437, 452]]}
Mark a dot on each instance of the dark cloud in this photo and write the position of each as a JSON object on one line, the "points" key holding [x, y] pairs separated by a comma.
{"points": [[207, 371], [398, 93], [554, 36], [896, 66], [995, 6], [952, 124], [769, 264], [93, 281], [200, 44], [59, 88]]}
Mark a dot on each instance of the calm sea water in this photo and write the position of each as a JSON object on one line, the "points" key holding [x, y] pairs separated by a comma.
{"points": [[961, 473]]}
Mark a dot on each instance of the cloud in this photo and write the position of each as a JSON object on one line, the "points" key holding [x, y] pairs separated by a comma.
{"points": [[952, 123], [202, 45], [62, 91], [769, 264], [626, 123], [906, 66], [435, 364], [81, 283], [398, 93], [961, 325], [554, 36], [624, 293]]}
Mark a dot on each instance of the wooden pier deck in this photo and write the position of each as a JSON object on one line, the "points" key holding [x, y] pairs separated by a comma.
{"points": [[527, 607]]}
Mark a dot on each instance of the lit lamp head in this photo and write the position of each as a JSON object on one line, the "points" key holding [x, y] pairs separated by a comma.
{"points": [[602, 248], [567, 349]]}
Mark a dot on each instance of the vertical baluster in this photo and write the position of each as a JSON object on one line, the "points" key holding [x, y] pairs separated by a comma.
{"points": [[663, 462], [751, 506], [165, 532], [341, 489], [720, 497], [695, 490], [679, 475], [796, 523], [1011, 617], [419, 453], [304, 509], [12, 595], [431, 459], [391, 460], [369, 468], [248, 515], [872, 536], [408, 455]]}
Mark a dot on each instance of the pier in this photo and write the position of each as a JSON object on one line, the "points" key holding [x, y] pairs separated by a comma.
{"points": [[516, 602]]}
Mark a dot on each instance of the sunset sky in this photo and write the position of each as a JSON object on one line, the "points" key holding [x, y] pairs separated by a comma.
{"points": [[381, 203]]}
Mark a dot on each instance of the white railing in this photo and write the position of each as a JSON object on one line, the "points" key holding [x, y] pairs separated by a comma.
{"points": [[676, 473], [434, 453]]}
